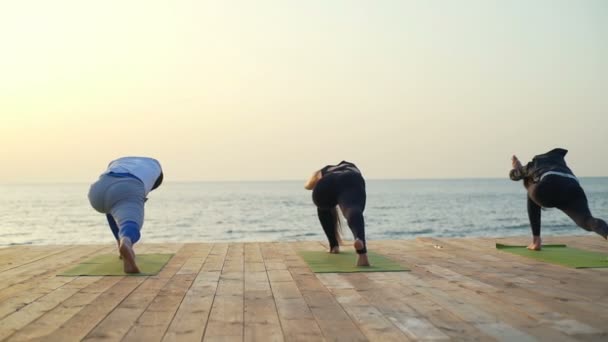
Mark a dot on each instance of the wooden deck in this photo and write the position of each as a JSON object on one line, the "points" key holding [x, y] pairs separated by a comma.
{"points": [[466, 290]]}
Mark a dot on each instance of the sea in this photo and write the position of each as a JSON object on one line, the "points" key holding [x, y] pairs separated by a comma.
{"points": [[45, 214]]}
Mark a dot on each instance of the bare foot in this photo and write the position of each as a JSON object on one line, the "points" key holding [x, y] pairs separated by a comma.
{"points": [[335, 250], [128, 256], [362, 260], [536, 244]]}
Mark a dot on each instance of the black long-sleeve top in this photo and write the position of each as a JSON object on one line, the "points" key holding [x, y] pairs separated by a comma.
{"points": [[540, 164]]}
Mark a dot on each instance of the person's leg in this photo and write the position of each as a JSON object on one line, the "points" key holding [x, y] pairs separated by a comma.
{"points": [[113, 226], [126, 200], [126, 213], [114, 229], [577, 208], [534, 215], [96, 195], [547, 193], [356, 223], [328, 222], [324, 197], [97, 198], [352, 203]]}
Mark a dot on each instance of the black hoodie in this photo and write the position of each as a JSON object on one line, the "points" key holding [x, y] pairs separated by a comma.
{"points": [[540, 164]]}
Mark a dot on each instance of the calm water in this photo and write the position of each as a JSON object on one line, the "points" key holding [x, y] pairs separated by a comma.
{"points": [[283, 211]]}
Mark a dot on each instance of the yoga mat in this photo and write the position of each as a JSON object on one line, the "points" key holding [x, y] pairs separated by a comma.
{"points": [[560, 255], [111, 265], [344, 262]]}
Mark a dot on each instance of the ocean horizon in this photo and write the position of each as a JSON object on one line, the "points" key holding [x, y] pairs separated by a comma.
{"points": [[281, 210]]}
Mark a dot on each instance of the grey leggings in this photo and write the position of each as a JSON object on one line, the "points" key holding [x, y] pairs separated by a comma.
{"points": [[122, 200]]}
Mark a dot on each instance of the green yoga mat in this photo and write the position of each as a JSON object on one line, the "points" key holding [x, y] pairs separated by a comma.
{"points": [[324, 262], [111, 265], [560, 255]]}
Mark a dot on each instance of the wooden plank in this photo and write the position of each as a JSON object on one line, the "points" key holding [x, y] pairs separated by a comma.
{"points": [[532, 300], [77, 327], [24, 298], [528, 304], [155, 320], [19, 319], [487, 308], [226, 319], [118, 322], [261, 320], [192, 315], [297, 321], [17, 257], [334, 322], [85, 320], [374, 325], [34, 286], [544, 276], [578, 286], [58, 316], [56, 255], [411, 312], [23, 278], [464, 290], [462, 307]]}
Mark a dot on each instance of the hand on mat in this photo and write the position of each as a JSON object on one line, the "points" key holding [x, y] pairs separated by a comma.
{"points": [[536, 244]]}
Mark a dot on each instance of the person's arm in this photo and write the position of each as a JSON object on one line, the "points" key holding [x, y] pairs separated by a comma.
{"points": [[534, 216], [519, 171], [312, 181]]}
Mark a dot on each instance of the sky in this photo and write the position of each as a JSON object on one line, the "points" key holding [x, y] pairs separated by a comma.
{"points": [[274, 90]]}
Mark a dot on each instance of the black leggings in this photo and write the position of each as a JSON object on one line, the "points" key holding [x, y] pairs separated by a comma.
{"points": [[566, 194], [346, 190]]}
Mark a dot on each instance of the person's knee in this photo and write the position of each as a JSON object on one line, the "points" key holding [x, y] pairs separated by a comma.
{"points": [[353, 215], [356, 223], [592, 223], [601, 225], [585, 222]]}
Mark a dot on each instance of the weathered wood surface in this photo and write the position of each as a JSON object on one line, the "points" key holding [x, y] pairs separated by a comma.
{"points": [[457, 289]]}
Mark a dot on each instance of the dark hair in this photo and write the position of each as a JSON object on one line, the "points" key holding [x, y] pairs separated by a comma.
{"points": [[159, 181]]}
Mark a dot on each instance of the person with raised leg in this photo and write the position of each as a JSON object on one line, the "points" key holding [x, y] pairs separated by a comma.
{"points": [[551, 184], [340, 186], [120, 193]]}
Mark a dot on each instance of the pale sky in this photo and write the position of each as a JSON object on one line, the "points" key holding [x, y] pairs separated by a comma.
{"points": [[265, 90]]}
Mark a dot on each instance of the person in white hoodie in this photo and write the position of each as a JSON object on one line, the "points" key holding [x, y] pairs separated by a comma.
{"points": [[120, 193]]}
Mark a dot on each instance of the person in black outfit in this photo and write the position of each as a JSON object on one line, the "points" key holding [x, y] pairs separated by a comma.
{"points": [[551, 184], [341, 186]]}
